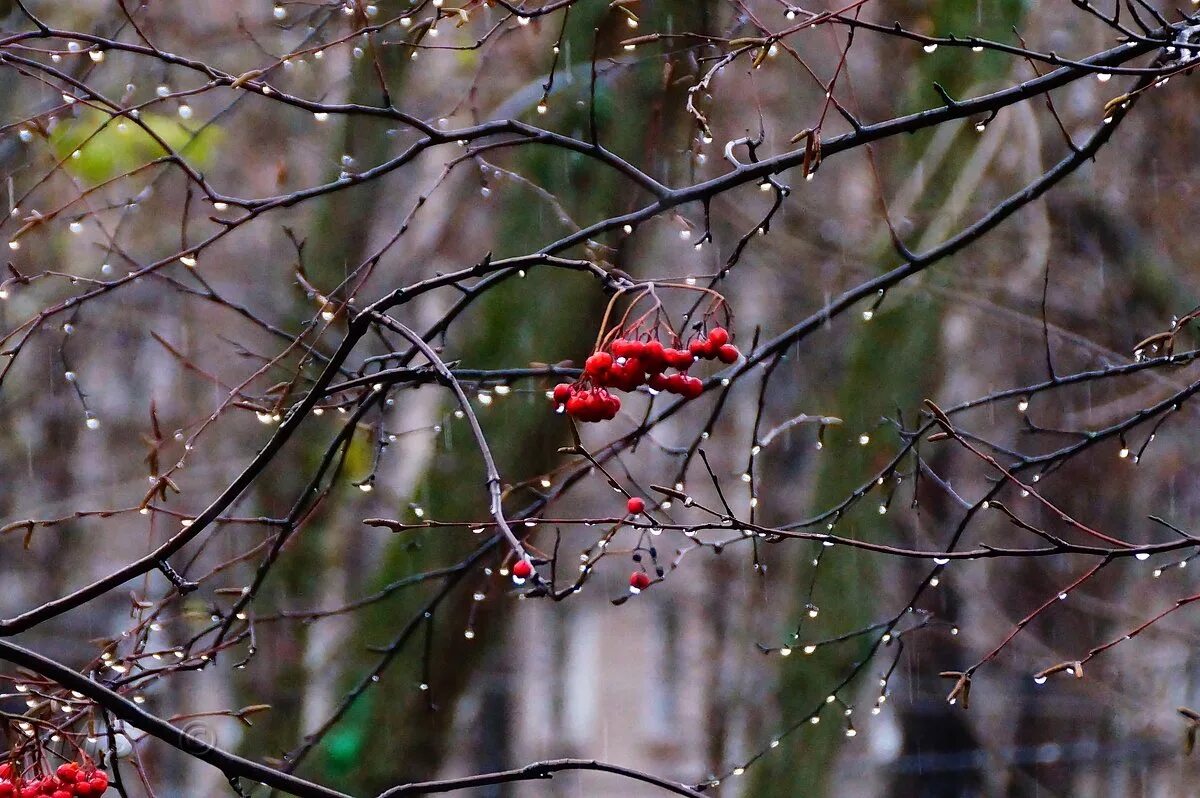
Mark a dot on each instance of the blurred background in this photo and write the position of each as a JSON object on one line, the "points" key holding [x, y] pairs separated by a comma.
{"points": [[672, 681]]}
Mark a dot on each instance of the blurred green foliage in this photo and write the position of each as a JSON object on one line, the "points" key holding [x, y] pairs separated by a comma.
{"points": [[108, 146]]}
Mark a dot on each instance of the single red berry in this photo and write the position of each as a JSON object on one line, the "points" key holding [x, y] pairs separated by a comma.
{"points": [[692, 387], [612, 407], [728, 353], [620, 348], [522, 569], [676, 384], [61, 794], [639, 581], [634, 372], [598, 363], [562, 392], [680, 358], [83, 788], [718, 336], [625, 377], [697, 347], [576, 403], [654, 357], [635, 505], [657, 382]]}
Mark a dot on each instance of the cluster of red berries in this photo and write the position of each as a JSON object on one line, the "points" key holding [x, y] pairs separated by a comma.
{"points": [[70, 780], [629, 363]]}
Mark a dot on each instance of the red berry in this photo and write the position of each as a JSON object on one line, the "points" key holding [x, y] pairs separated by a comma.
{"points": [[83, 788], [696, 348], [522, 569], [676, 384], [576, 403], [728, 353], [598, 363], [620, 348], [612, 407], [718, 336], [626, 377], [6, 770], [635, 371], [639, 581], [683, 359], [635, 505], [657, 382], [61, 794], [6, 789], [99, 781], [692, 387], [654, 357], [562, 392]]}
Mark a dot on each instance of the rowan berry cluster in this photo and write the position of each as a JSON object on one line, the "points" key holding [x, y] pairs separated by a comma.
{"points": [[626, 364], [69, 780]]}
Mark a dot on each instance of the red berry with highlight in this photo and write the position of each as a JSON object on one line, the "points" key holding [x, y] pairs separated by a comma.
{"points": [[562, 392], [639, 580], [522, 569], [728, 353], [654, 357], [718, 336], [635, 505], [598, 363]]}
